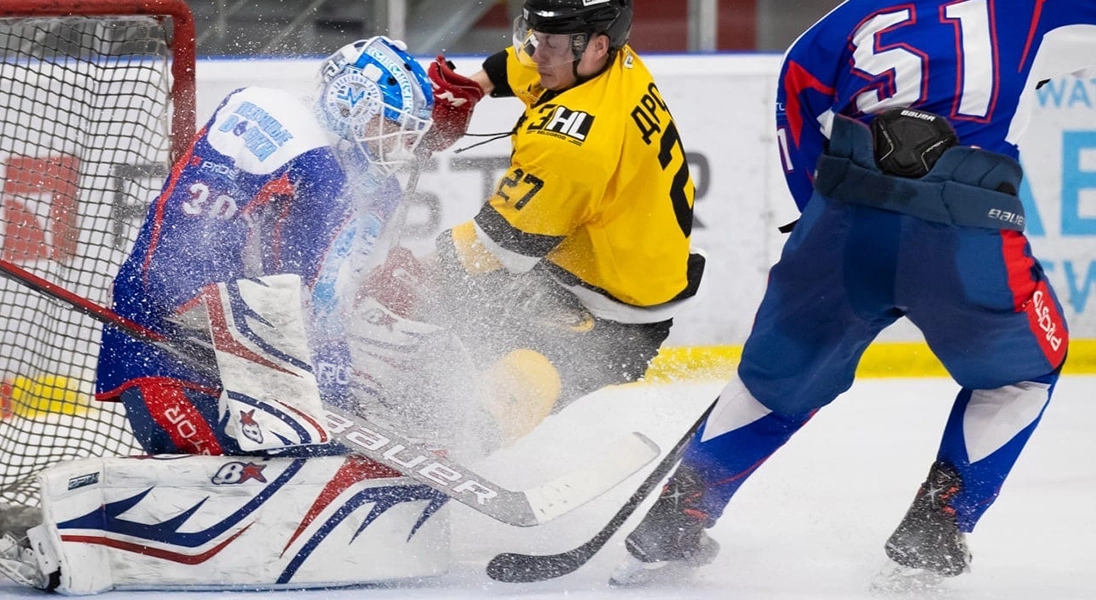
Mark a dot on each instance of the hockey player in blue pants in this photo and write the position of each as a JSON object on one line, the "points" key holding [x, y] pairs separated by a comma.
{"points": [[916, 217]]}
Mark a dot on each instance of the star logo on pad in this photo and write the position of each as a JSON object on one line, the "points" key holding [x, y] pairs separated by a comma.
{"points": [[252, 471]]}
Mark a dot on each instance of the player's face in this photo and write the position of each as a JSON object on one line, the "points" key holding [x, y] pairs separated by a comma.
{"points": [[556, 56], [559, 74], [554, 59]]}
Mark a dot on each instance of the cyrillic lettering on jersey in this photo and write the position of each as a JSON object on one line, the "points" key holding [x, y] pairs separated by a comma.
{"points": [[264, 138], [649, 113]]}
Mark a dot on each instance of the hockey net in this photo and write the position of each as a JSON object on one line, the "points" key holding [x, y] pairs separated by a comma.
{"points": [[96, 96]]}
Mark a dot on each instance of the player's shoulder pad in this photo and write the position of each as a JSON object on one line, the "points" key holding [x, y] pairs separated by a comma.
{"points": [[262, 129]]}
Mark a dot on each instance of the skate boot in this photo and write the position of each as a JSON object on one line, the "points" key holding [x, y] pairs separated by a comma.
{"points": [[670, 542], [16, 519], [927, 546]]}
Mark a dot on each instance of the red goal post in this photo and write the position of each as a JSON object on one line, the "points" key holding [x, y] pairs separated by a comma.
{"points": [[96, 98]]}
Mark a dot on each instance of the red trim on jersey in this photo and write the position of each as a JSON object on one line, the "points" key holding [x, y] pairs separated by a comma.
{"points": [[883, 84], [169, 189], [798, 79], [275, 187], [1034, 298], [1035, 17], [113, 395], [169, 406], [277, 241]]}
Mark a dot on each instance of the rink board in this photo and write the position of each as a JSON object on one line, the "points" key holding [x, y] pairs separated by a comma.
{"points": [[724, 107]]}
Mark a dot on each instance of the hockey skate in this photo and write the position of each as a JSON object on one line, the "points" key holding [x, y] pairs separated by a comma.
{"points": [[927, 547], [670, 542], [18, 563], [16, 519], [17, 559]]}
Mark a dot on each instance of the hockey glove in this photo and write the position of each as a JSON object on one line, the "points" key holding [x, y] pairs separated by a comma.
{"points": [[397, 283], [454, 98]]}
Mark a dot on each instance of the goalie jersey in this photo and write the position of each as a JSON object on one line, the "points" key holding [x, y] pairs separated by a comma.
{"points": [[967, 61], [259, 192]]}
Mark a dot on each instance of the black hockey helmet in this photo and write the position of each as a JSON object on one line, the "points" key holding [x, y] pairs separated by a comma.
{"points": [[611, 17]]}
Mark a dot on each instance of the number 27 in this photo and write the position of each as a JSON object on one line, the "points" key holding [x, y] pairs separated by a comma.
{"points": [[518, 178]]}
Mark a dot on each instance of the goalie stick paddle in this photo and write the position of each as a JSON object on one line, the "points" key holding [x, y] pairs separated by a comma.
{"points": [[513, 567], [519, 508]]}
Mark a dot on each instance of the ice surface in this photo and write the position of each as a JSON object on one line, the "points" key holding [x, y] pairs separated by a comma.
{"points": [[810, 524]]}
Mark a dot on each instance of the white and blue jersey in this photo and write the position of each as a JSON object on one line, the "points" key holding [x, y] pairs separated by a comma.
{"points": [[975, 62], [260, 192]]}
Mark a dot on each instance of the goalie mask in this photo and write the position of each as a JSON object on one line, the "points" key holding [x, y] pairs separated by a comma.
{"points": [[561, 29], [377, 99]]}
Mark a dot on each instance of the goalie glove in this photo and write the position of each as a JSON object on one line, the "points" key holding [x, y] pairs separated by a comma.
{"points": [[454, 98]]}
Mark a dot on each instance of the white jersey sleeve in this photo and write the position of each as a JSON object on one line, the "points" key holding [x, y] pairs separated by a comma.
{"points": [[286, 128]]}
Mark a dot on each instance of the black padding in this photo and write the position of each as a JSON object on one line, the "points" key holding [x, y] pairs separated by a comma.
{"points": [[908, 142]]}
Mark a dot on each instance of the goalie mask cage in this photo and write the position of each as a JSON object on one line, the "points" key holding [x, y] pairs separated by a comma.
{"points": [[96, 96]]}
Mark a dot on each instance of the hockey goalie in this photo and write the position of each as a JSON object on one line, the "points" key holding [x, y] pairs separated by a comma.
{"points": [[256, 253]]}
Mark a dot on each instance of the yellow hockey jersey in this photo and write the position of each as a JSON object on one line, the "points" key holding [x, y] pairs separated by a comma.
{"points": [[599, 188]]}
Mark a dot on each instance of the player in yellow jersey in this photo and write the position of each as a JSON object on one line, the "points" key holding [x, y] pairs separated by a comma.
{"points": [[568, 278]]}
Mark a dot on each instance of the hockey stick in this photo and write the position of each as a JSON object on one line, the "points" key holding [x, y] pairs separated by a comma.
{"points": [[519, 508], [512, 567]]}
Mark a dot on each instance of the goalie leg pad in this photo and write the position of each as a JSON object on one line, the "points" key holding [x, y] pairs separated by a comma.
{"points": [[201, 522]]}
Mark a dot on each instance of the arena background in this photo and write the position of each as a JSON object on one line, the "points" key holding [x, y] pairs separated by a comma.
{"points": [[723, 104]]}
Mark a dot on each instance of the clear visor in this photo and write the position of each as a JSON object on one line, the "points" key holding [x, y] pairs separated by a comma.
{"points": [[391, 144], [536, 49]]}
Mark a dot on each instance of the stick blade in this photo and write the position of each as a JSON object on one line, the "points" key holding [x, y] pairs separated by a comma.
{"points": [[511, 567], [565, 493]]}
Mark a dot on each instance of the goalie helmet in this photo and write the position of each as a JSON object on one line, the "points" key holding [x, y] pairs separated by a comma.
{"points": [[568, 25], [377, 99]]}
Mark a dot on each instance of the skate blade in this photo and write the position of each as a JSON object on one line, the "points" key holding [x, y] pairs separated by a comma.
{"points": [[632, 572], [899, 580], [18, 564]]}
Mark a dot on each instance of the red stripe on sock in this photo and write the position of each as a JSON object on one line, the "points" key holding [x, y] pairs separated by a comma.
{"points": [[171, 409]]}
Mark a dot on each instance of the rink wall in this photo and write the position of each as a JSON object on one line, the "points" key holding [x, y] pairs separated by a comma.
{"points": [[724, 106]]}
